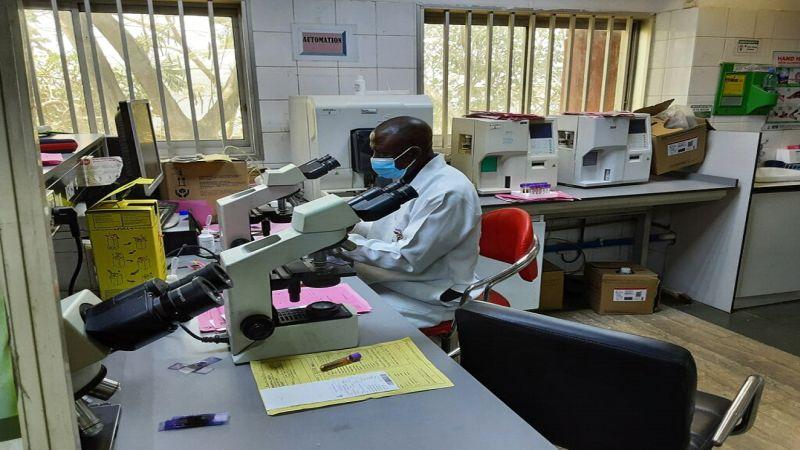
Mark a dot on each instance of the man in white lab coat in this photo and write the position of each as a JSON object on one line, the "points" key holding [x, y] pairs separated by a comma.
{"points": [[423, 256]]}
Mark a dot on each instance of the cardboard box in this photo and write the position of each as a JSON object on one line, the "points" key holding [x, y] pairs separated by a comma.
{"points": [[611, 292], [126, 242], [673, 148], [551, 294], [203, 180]]}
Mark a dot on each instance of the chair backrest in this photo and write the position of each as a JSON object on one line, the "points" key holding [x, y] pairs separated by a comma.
{"points": [[581, 387], [506, 235]]}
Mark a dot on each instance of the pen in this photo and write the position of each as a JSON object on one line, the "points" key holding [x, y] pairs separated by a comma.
{"points": [[349, 359]]}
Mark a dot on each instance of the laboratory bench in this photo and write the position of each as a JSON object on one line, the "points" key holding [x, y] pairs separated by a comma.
{"points": [[466, 416]]}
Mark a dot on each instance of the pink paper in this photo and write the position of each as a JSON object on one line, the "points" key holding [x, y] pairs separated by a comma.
{"points": [[553, 196], [341, 293], [199, 209], [213, 321], [52, 159]]}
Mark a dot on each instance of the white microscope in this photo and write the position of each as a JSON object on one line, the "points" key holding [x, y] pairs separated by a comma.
{"points": [[498, 155], [295, 257], [128, 321], [603, 149], [233, 211]]}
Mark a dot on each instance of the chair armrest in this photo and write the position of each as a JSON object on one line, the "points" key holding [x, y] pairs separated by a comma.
{"points": [[504, 274], [741, 415]]}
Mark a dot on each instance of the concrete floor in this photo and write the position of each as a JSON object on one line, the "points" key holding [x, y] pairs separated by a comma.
{"points": [[775, 325]]}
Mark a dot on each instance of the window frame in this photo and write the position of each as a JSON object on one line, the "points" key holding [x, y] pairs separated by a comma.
{"points": [[169, 147], [628, 92]]}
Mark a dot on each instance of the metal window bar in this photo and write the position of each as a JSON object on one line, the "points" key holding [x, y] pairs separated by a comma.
{"points": [[32, 73], [468, 62], [446, 79], [511, 22], [159, 76], [77, 30], [217, 75], [64, 67], [98, 78], [568, 64], [622, 65], [587, 64], [531, 43], [549, 74], [185, 49], [489, 58], [124, 41], [606, 53]]}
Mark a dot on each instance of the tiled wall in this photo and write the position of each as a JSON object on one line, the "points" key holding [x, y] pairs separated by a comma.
{"points": [[690, 43], [387, 57]]}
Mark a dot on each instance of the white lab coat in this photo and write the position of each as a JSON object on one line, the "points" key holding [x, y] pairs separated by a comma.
{"points": [[428, 246]]}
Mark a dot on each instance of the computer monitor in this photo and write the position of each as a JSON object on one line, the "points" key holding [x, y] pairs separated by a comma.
{"points": [[137, 143]]}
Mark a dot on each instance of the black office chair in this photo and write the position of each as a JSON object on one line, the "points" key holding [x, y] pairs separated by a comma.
{"points": [[584, 387]]}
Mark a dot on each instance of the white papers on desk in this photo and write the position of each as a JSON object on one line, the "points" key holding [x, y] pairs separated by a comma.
{"points": [[328, 390]]}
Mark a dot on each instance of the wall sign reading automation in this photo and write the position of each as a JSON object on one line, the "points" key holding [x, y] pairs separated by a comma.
{"points": [[324, 42]]}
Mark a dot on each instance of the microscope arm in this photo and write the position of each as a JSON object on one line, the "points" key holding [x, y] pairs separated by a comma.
{"points": [[233, 211]]}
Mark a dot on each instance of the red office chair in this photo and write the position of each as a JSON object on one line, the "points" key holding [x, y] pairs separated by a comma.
{"points": [[506, 235]]}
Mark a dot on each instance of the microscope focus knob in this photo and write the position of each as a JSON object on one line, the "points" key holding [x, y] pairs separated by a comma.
{"points": [[257, 327]]}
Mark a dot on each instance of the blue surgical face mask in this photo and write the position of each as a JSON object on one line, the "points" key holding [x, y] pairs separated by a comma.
{"points": [[387, 167]]}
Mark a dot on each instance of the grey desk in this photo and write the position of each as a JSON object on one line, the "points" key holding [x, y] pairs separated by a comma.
{"points": [[466, 416], [632, 199]]}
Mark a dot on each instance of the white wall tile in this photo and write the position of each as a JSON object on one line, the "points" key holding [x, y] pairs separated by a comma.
{"points": [[679, 52], [708, 51], [311, 63], [765, 23], [652, 100], [658, 56], [704, 81], [676, 81], [764, 55], [786, 25], [679, 99], [318, 81], [274, 115], [269, 15], [730, 54], [700, 100], [655, 81], [356, 12], [741, 22], [662, 26], [712, 21], [785, 45], [276, 83], [683, 23], [314, 11], [367, 52], [395, 18], [397, 79], [273, 49], [397, 51], [277, 148], [347, 78]]}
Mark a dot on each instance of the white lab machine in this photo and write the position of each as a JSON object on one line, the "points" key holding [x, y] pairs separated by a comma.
{"points": [[603, 149], [498, 155], [788, 155], [339, 125]]}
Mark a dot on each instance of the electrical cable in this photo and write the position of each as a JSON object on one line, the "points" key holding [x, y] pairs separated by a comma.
{"points": [[578, 250], [78, 266], [215, 339]]}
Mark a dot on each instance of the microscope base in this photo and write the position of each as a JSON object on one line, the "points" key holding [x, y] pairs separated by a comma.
{"points": [[305, 338]]}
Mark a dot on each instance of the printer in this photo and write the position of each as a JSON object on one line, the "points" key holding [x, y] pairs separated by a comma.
{"points": [[339, 125], [498, 155], [601, 149]]}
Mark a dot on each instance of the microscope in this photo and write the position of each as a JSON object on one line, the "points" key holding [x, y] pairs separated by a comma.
{"points": [[279, 184], [303, 255], [128, 321]]}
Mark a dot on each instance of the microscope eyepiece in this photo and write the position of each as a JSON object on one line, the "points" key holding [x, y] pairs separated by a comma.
{"points": [[372, 205], [212, 273], [185, 302], [319, 167]]}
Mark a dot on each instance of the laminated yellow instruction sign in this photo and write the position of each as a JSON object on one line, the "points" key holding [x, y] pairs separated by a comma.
{"points": [[401, 360]]}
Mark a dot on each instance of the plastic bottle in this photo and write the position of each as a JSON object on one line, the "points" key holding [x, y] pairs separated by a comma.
{"points": [[206, 238], [770, 83], [360, 86], [173, 271]]}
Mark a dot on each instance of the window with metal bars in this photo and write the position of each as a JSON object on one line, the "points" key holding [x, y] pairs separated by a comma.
{"points": [[87, 56], [525, 61]]}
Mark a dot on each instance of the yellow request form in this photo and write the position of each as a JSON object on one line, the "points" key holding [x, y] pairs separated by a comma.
{"points": [[401, 360]]}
